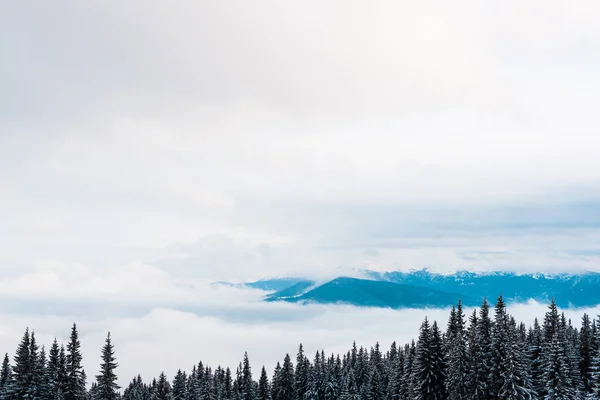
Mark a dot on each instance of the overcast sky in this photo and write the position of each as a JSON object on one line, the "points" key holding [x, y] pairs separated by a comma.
{"points": [[149, 148]]}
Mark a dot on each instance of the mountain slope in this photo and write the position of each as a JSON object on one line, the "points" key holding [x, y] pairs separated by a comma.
{"points": [[367, 293]]}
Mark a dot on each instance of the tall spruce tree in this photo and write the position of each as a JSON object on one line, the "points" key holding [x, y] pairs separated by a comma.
{"points": [[350, 391], [22, 371], [557, 372], [301, 374], [74, 388], [483, 355], [457, 371], [248, 391], [162, 388], [264, 391], [5, 377], [429, 374], [107, 379], [179, 386]]}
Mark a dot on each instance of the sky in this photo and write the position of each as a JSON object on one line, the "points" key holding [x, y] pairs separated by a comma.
{"points": [[149, 150]]}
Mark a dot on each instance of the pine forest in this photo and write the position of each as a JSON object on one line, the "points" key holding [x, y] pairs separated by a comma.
{"points": [[486, 355]]}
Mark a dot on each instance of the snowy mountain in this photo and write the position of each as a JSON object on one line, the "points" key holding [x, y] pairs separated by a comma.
{"points": [[423, 288]]}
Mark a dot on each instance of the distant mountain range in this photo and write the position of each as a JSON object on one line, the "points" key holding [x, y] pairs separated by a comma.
{"points": [[422, 288]]}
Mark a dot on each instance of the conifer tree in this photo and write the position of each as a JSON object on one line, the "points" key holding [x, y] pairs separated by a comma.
{"points": [[284, 389], [18, 388], [107, 388], [557, 373], [457, 379], [75, 380], [301, 374], [264, 391], [534, 356], [483, 355], [36, 373], [179, 386], [5, 377], [42, 379], [162, 388], [247, 384], [52, 371], [228, 385], [515, 381], [350, 391], [376, 391], [425, 375]]}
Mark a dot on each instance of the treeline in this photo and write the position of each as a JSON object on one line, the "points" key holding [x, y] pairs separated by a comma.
{"points": [[483, 356]]}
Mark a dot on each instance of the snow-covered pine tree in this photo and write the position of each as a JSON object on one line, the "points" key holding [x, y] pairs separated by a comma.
{"points": [[456, 376], [396, 374], [376, 389], [424, 366], [438, 361], [52, 371], [471, 337], [301, 374], [228, 385], [247, 385], [332, 387], [571, 340], [285, 381], [557, 374], [516, 384], [483, 355], [36, 370], [409, 383], [499, 339], [75, 380], [5, 377], [350, 391], [179, 385], [585, 353], [42, 379], [107, 379], [535, 358], [264, 390], [18, 388], [162, 389]]}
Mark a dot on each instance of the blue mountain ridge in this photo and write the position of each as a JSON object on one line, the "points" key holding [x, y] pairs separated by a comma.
{"points": [[422, 288]]}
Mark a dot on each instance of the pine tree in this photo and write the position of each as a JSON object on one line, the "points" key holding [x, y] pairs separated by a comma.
{"points": [[107, 379], [247, 384], [535, 358], [52, 371], [75, 379], [42, 379], [457, 379], [228, 385], [483, 355], [179, 386], [515, 381], [301, 374], [5, 377], [22, 370], [376, 391], [350, 391], [162, 389], [396, 373], [63, 376], [427, 373], [557, 373], [264, 391]]}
